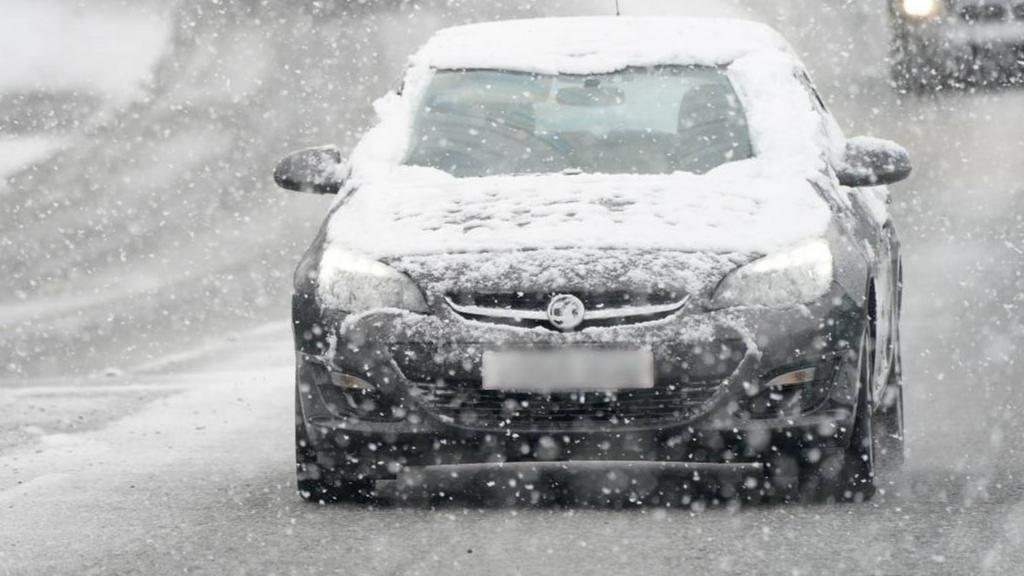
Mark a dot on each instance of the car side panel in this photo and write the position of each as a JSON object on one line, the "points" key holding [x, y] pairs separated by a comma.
{"points": [[875, 228]]}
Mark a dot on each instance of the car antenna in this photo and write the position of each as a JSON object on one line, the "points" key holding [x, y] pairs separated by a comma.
{"points": [[617, 11]]}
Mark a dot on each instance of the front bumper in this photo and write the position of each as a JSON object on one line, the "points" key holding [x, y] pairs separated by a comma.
{"points": [[955, 47], [380, 452], [739, 349]]}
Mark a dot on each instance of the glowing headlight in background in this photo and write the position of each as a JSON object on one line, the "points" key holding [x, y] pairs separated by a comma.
{"points": [[922, 8]]}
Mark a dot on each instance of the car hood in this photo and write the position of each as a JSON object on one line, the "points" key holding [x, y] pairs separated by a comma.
{"points": [[642, 274], [424, 213]]}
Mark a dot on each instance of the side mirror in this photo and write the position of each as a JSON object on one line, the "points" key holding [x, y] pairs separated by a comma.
{"points": [[316, 170], [873, 162]]}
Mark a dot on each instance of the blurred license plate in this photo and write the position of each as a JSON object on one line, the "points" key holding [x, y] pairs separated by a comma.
{"points": [[568, 370]]}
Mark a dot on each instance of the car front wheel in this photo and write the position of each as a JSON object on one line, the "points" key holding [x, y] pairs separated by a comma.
{"points": [[835, 475], [888, 421], [853, 479]]}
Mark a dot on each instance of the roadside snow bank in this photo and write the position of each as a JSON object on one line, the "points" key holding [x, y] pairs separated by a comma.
{"points": [[104, 52], [17, 153], [103, 48]]}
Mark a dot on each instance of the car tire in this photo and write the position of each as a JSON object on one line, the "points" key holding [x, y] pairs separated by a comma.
{"points": [[316, 483], [888, 434], [856, 481], [889, 420]]}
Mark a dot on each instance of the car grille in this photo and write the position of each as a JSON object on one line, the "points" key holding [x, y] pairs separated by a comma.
{"points": [[530, 300], [985, 12], [465, 404], [657, 304]]}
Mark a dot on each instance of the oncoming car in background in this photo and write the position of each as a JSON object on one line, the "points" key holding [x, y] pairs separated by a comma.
{"points": [[602, 240], [938, 42]]}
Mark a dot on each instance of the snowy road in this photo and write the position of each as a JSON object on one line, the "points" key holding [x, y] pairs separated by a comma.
{"points": [[183, 464]]}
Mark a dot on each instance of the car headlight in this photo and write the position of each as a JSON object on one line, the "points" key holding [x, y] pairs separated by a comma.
{"points": [[797, 276], [355, 283], [922, 8]]}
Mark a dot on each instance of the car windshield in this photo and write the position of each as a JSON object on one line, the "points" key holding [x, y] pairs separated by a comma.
{"points": [[656, 120]]}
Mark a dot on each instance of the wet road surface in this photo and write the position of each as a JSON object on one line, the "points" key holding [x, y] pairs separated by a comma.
{"points": [[182, 462]]}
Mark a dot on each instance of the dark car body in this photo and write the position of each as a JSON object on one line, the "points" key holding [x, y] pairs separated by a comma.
{"points": [[785, 393], [963, 41]]}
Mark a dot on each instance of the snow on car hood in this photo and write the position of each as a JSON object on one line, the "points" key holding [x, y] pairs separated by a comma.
{"points": [[587, 271], [433, 213]]}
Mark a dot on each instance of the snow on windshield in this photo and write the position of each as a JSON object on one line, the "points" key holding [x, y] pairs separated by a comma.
{"points": [[640, 120], [786, 133]]}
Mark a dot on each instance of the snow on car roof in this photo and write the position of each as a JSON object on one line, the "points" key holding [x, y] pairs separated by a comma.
{"points": [[760, 63], [597, 44]]}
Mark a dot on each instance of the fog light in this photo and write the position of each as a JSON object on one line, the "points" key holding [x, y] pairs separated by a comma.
{"points": [[921, 8], [794, 378], [346, 382]]}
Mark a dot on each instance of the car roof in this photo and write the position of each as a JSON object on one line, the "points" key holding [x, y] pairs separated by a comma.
{"points": [[585, 45]]}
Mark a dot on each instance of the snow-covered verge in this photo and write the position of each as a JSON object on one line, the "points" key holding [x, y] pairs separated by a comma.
{"points": [[61, 419], [105, 52], [18, 152], [104, 48]]}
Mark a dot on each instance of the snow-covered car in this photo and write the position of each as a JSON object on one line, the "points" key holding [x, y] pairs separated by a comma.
{"points": [[602, 239], [936, 42]]}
